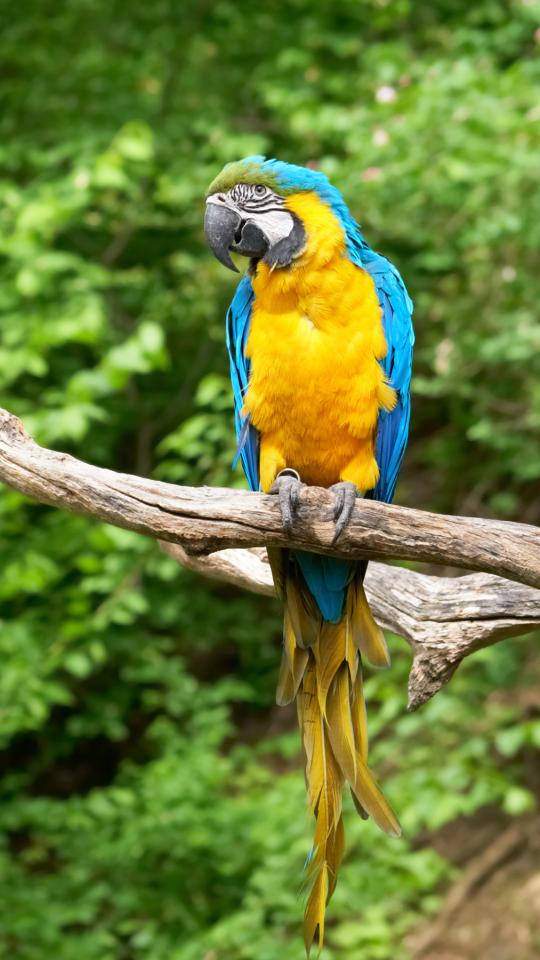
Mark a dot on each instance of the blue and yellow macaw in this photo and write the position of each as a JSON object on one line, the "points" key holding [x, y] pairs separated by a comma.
{"points": [[320, 341]]}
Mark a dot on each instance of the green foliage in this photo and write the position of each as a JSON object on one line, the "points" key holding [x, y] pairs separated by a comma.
{"points": [[152, 806]]}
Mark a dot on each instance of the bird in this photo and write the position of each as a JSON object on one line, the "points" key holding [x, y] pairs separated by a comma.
{"points": [[320, 342]]}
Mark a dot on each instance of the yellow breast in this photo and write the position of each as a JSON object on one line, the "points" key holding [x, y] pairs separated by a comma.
{"points": [[315, 342]]}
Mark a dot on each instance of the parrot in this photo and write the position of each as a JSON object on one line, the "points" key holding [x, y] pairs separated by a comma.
{"points": [[320, 342]]}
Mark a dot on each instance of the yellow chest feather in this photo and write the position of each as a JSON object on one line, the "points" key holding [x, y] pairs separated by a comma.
{"points": [[315, 342]]}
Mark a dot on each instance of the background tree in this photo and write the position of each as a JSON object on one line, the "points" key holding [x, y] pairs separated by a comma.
{"points": [[147, 779]]}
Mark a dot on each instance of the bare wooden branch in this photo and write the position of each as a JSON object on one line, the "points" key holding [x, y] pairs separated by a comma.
{"points": [[248, 569], [204, 519], [443, 620]]}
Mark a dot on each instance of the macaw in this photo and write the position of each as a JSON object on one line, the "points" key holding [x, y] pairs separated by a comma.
{"points": [[320, 341]]}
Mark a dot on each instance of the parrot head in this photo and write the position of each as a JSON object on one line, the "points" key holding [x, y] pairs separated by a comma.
{"points": [[247, 210]]}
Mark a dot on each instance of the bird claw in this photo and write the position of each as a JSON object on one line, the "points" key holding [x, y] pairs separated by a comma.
{"points": [[287, 485], [345, 498]]}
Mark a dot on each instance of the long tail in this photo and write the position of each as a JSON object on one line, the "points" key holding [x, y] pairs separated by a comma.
{"points": [[322, 668]]}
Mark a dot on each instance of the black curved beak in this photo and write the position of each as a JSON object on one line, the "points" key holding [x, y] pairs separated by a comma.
{"points": [[223, 226], [220, 226]]}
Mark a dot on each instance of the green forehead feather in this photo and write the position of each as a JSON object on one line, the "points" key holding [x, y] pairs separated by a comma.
{"points": [[250, 172]]}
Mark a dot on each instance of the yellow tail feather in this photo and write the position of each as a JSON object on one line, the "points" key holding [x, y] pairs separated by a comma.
{"points": [[321, 666], [359, 716], [340, 726], [367, 636], [369, 794], [293, 664], [290, 676], [314, 915], [303, 611]]}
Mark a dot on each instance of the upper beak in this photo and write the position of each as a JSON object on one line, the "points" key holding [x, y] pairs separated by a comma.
{"points": [[224, 226], [220, 226]]}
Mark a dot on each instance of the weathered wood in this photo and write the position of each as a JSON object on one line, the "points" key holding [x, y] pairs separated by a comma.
{"points": [[444, 620], [248, 569], [206, 519]]}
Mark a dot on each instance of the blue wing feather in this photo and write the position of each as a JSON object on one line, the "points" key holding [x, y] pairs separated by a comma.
{"points": [[242, 440], [238, 318], [397, 307]]}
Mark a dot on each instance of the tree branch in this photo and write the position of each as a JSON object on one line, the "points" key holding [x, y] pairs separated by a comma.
{"points": [[442, 619], [204, 519]]}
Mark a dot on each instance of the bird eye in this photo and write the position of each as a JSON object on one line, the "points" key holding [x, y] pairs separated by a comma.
{"points": [[259, 189]]}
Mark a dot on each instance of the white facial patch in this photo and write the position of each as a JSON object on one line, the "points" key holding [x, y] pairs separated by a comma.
{"points": [[277, 224]]}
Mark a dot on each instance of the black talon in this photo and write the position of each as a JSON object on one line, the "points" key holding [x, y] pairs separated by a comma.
{"points": [[345, 498], [287, 484]]}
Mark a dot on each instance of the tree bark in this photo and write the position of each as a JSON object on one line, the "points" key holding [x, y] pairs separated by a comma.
{"points": [[443, 620]]}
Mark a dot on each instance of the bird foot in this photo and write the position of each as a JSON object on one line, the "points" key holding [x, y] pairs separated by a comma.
{"points": [[287, 485], [345, 497]]}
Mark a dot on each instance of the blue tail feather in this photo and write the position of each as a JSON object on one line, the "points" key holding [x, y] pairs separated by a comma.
{"points": [[327, 578]]}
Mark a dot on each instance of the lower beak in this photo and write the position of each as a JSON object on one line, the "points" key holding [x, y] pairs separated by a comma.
{"points": [[222, 227]]}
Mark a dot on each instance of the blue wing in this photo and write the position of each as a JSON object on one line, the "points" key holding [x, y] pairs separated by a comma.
{"points": [[238, 318], [397, 307]]}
